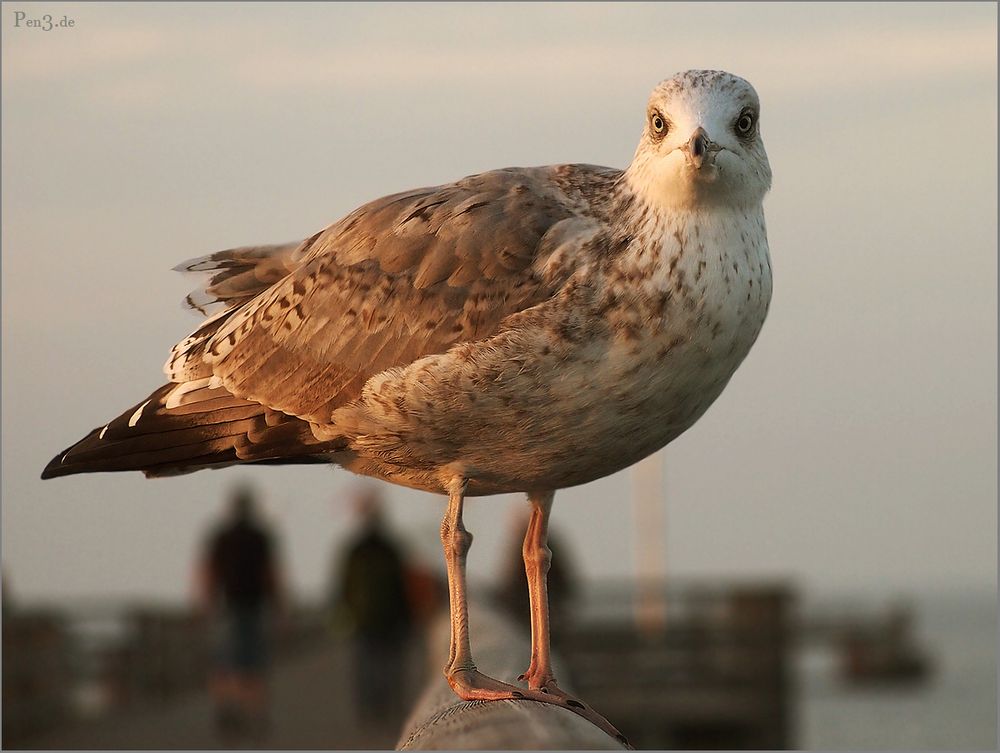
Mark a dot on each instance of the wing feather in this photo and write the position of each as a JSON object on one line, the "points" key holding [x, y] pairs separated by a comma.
{"points": [[236, 275], [402, 277]]}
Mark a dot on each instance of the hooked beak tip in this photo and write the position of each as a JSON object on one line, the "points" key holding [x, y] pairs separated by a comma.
{"points": [[700, 149], [699, 143]]}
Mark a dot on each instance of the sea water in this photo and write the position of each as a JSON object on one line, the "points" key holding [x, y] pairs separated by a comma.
{"points": [[954, 709]]}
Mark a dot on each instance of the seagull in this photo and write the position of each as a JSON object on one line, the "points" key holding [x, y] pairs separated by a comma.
{"points": [[519, 330]]}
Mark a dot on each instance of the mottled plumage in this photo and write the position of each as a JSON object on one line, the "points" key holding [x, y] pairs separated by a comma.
{"points": [[405, 330], [525, 329]]}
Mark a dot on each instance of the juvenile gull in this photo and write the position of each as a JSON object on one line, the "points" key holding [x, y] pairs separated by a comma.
{"points": [[524, 329]]}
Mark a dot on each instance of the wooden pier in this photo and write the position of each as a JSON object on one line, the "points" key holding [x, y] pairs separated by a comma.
{"points": [[715, 669], [715, 672]]}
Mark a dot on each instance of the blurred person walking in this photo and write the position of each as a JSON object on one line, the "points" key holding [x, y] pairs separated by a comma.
{"points": [[371, 603], [240, 584]]}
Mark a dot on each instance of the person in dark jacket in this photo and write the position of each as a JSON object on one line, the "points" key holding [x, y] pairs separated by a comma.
{"points": [[370, 598], [240, 582]]}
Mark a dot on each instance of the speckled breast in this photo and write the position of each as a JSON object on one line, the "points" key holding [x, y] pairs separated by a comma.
{"points": [[667, 353]]}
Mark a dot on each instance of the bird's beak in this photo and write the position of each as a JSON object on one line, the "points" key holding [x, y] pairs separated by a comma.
{"points": [[700, 150]]}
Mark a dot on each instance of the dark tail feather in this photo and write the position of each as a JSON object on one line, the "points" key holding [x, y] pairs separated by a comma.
{"points": [[203, 428]]}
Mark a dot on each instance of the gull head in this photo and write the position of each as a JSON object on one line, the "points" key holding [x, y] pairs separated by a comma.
{"points": [[701, 144]]}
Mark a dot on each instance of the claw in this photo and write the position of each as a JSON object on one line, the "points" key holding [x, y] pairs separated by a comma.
{"points": [[552, 693]]}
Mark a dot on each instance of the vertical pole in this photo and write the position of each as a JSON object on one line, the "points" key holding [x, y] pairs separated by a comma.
{"points": [[648, 503]]}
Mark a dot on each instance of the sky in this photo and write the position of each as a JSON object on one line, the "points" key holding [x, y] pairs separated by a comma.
{"points": [[854, 450]]}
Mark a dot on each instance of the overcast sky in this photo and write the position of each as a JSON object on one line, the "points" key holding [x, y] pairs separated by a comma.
{"points": [[855, 449]]}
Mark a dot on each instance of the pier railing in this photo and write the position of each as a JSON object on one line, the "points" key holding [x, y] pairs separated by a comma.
{"points": [[89, 658], [712, 669]]}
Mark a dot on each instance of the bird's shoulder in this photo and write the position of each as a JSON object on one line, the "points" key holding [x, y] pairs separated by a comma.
{"points": [[495, 218]]}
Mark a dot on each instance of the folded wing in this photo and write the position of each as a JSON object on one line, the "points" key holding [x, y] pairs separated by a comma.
{"points": [[400, 278], [299, 328]]}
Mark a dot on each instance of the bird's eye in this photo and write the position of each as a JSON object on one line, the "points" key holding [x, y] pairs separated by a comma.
{"points": [[744, 126], [658, 123]]}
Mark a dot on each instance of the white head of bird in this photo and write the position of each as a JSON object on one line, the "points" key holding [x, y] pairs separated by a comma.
{"points": [[701, 146]]}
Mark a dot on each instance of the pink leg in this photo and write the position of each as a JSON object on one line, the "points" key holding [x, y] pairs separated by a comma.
{"points": [[467, 681], [537, 561]]}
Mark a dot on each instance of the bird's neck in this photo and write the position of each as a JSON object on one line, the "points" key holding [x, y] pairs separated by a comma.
{"points": [[646, 213], [659, 186]]}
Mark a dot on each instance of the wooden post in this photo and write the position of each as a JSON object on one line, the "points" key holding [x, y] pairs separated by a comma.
{"points": [[442, 721], [650, 545]]}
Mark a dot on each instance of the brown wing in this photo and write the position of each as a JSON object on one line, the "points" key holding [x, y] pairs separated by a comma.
{"points": [[402, 277]]}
